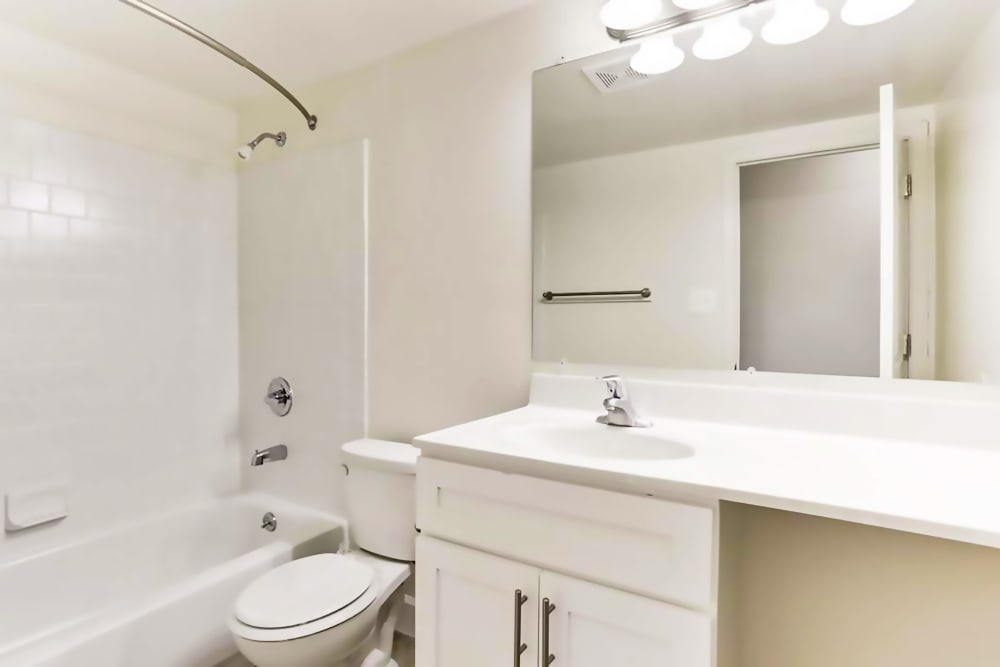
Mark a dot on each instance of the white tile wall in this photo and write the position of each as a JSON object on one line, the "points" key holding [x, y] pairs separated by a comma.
{"points": [[29, 195], [118, 340]]}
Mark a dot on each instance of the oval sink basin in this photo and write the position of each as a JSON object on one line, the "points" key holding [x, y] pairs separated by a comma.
{"points": [[597, 442]]}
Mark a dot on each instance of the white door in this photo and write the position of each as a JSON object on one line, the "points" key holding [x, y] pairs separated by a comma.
{"points": [[469, 615], [594, 626], [894, 292]]}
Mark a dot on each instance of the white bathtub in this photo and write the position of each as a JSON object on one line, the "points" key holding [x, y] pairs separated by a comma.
{"points": [[152, 594]]}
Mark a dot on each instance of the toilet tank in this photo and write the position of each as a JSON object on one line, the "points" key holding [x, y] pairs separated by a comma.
{"points": [[381, 496]]}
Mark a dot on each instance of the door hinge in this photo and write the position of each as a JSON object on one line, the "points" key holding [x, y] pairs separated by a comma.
{"points": [[908, 190], [907, 347]]}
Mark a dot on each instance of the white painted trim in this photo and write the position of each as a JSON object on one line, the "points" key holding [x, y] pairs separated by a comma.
{"points": [[918, 314], [923, 245], [889, 232], [366, 338]]}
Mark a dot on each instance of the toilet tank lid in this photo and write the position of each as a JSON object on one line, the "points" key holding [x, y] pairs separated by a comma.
{"points": [[382, 455]]}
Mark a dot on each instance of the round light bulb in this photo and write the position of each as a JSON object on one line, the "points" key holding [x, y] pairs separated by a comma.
{"points": [[658, 55], [723, 37], [628, 14], [869, 12], [795, 21], [696, 4]]}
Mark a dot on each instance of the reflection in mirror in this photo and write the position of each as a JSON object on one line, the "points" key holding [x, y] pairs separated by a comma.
{"points": [[803, 221], [821, 207]]}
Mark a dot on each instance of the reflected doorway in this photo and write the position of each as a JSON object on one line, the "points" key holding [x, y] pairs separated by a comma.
{"points": [[809, 264]]}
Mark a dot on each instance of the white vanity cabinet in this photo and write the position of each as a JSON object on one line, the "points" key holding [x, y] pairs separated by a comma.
{"points": [[468, 613], [631, 578]]}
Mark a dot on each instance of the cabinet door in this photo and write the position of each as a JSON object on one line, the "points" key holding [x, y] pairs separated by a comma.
{"points": [[594, 626], [468, 609]]}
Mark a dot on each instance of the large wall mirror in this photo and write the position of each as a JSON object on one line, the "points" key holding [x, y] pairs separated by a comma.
{"points": [[825, 207]]}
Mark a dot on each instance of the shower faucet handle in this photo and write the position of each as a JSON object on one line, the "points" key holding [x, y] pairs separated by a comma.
{"points": [[279, 396]]}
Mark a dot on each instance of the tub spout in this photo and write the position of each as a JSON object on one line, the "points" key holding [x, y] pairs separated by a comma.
{"points": [[262, 456]]}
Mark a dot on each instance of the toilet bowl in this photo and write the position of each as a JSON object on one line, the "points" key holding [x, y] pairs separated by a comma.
{"points": [[340, 610]]}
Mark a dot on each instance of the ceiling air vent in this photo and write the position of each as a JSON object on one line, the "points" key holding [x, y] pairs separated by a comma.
{"points": [[610, 77]]}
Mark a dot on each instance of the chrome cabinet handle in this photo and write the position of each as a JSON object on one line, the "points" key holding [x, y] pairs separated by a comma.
{"points": [[547, 609], [519, 647]]}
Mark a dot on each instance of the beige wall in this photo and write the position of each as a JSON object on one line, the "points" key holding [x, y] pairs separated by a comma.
{"points": [[800, 591], [52, 83], [968, 209], [450, 276]]}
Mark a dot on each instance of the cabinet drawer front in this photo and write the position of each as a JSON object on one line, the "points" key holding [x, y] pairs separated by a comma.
{"points": [[651, 547]]}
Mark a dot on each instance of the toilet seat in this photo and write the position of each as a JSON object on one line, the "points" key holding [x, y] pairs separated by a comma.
{"points": [[304, 597]]}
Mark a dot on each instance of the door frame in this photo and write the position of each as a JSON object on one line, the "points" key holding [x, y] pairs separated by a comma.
{"points": [[825, 138]]}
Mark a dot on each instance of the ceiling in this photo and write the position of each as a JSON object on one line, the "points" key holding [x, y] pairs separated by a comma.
{"points": [[834, 75], [296, 41]]}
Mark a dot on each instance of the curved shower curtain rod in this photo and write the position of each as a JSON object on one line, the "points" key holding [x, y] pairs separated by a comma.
{"points": [[191, 31]]}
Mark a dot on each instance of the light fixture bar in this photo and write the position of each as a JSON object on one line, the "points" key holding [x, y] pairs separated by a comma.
{"points": [[683, 19], [213, 43]]}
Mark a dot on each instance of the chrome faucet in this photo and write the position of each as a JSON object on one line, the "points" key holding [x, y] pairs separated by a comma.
{"points": [[262, 456], [621, 412]]}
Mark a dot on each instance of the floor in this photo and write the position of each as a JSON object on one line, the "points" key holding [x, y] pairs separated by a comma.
{"points": [[403, 653]]}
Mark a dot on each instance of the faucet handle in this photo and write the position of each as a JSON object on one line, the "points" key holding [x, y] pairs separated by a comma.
{"points": [[279, 396], [615, 384]]}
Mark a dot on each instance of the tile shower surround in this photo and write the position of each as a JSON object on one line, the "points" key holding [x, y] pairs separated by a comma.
{"points": [[118, 326]]}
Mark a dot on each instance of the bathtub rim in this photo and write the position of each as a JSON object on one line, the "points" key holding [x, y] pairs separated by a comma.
{"points": [[315, 525], [266, 502]]}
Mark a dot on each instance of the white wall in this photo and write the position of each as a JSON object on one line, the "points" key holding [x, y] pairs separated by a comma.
{"points": [[652, 219], [968, 234], [450, 131], [303, 250], [449, 125], [117, 289], [667, 219]]}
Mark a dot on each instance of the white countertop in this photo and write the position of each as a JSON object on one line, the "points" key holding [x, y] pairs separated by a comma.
{"points": [[941, 490]]}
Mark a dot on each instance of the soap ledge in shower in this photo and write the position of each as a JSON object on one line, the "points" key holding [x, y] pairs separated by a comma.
{"points": [[34, 506]]}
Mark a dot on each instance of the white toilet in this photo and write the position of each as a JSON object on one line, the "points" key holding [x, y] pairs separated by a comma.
{"points": [[330, 610]]}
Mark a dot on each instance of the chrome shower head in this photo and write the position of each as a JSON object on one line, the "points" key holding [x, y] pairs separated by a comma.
{"points": [[246, 152]]}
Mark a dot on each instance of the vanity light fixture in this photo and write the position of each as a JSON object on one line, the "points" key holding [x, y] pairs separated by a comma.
{"points": [[628, 14], [869, 12], [723, 37], [795, 21], [658, 55]]}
